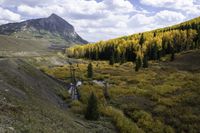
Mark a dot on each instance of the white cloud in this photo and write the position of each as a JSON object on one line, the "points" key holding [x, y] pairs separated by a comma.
{"points": [[3, 21], [15, 3], [142, 22], [168, 3], [33, 11], [119, 5], [8, 16], [187, 6], [193, 10], [168, 17], [105, 19], [1, 1], [109, 16], [37, 11]]}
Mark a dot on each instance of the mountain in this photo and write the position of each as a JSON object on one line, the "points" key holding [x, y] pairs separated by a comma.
{"points": [[53, 28]]}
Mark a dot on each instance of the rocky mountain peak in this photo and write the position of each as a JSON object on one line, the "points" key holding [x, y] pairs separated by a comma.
{"points": [[54, 25]]}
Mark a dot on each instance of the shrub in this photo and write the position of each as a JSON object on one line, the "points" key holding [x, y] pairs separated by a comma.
{"points": [[123, 124], [149, 124], [92, 112], [76, 107], [138, 63], [90, 71]]}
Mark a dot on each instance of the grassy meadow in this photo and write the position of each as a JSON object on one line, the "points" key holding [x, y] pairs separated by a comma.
{"points": [[163, 98]]}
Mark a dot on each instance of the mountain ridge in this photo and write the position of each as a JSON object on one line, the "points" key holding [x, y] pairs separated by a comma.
{"points": [[52, 27]]}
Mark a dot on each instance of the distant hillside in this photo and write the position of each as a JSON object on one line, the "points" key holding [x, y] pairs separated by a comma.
{"points": [[11, 46], [151, 45], [53, 28]]}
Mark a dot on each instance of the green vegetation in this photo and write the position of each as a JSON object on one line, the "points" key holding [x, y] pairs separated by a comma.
{"points": [[31, 102], [162, 98], [90, 71], [112, 59], [92, 112], [138, 64], [124, 124], [172, 55], [145, 61], [145, 121], [154, 44]]}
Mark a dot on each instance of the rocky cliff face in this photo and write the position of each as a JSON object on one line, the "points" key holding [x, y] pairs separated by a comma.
{"points": [[53, 26]]}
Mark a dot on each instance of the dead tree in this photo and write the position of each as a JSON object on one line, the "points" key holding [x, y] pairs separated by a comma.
{"points": [[105, 92], [75, 92]]}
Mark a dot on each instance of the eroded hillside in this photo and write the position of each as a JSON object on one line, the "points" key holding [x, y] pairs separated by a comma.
{"points": [[32, 102]]}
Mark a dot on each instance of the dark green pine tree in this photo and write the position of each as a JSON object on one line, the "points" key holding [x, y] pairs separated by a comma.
{"points": [[90, 71], [96, 55], [172, 54], [92, 112], [198, 37], [154, 34], [138, 64], [158, 55], [141, 40], [112, 59], [154, 52], [117, 57], [123, 58], [145, 61]]}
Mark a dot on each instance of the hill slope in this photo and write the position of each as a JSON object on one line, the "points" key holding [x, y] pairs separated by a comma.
{"points": [[32, 102], [186, 61], [15, 47], [152, 45], [53, 28]]}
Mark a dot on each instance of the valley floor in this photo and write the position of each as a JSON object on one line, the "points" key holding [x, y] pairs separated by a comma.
{"points": [[163, 98]]}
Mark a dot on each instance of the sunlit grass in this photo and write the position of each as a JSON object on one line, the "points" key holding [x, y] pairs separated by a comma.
{"points": [[158, 90]]}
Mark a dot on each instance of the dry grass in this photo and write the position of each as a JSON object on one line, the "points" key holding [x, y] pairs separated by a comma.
{"points": [[167, 90]]}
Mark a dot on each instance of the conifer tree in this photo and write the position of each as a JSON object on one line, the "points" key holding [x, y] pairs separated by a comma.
{"points": [[90, 71], [117, 57], [158, 43], [154, 34], [96, 55], [123, 58], [172, 54], [145, 61], [141, 40], [138, 63], [92, 112], [112, 59], [154, 52]]}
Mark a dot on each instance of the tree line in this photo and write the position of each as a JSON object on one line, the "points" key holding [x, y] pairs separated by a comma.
{"points": [[140, 48]]}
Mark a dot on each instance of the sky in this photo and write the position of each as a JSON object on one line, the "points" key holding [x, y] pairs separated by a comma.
{"points": [[97, 20]]}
